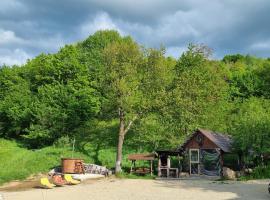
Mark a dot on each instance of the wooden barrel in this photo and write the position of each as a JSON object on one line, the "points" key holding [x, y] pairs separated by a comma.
{"points": [[72, 166]]}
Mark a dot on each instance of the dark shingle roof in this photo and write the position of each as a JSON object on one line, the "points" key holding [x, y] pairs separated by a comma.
{"points": [[224, 142]]}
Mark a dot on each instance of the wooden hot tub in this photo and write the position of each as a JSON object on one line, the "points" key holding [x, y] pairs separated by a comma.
{"points": [[72, 166]]}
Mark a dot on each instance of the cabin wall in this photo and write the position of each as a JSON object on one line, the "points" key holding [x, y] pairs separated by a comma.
{"points": [[206, 143]]}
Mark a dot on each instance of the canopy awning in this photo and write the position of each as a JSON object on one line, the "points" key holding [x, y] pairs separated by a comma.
{"points": [[150, 156]]}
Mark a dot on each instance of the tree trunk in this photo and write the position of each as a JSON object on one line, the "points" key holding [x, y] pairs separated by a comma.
{"points": [[122, 132], [120, 142]]}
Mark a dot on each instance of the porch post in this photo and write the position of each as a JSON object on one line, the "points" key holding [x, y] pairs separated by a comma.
{"points": [[168, 166], [169, 162], [221, 163], [151, 167], [189, 161], [131, 167], [179, 166], [159, 164]]}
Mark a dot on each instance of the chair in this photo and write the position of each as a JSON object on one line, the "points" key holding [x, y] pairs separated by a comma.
{"points": [[70, 180], [58, 180], [46, 184]]}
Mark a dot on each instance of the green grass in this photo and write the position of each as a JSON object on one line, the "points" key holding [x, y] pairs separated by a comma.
{"points": [[17, 163], [259, 172]]}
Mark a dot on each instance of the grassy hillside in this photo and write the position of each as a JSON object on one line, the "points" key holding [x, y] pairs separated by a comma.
{"points": [[17, 163]]}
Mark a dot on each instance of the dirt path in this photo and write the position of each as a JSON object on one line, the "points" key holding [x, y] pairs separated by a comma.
{"points": [[128, 189]]}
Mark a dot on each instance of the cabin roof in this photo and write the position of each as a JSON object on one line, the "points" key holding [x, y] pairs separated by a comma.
{"points": [[174, 152], [223, 141]]}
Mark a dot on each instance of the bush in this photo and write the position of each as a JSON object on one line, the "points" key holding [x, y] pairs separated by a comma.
{"points": [[261, 172], [63, 141]]}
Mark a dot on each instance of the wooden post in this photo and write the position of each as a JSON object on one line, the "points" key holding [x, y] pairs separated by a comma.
{"points": [[169, 162], [221, 162], [168, 166], [151, 167], [179, 166], [131, 167], [159, 164], [189, 161]]}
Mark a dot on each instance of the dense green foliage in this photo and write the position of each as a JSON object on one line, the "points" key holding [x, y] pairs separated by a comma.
{"points": [[90, 89]]}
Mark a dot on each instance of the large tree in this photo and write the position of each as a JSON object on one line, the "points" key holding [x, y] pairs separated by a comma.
{"points": [[250, 127], [121, 86], [199, 86], [135, 81]]}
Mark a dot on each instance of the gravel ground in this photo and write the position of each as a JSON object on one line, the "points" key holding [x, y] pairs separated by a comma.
{"points": [[135, 189]]}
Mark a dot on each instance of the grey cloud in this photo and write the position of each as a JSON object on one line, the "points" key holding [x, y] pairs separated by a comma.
{"points": [[35, 26]]}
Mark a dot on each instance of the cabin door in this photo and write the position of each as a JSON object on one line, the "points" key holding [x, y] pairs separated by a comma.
{"points": [[194, 161]]}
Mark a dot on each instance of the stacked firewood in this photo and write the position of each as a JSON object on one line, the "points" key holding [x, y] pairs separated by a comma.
{"points": [[96, 169]]}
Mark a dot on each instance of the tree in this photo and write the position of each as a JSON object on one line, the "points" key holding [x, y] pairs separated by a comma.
{"points": [[199, 85], [121, 85], [153, 130], [263, 80], [251, 127], [15, 102], [58, 110], [47, 98]]}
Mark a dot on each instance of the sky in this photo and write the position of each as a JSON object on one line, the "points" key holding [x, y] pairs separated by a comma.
{"points": [[31, 27]]}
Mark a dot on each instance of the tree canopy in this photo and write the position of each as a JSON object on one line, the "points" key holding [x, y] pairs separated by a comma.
{"points": [[110, 84]]}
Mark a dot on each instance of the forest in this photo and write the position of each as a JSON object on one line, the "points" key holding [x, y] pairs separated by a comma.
{"points": [[111, 94]]}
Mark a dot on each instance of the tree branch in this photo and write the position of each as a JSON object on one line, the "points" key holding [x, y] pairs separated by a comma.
{"points": [[130, 124]]}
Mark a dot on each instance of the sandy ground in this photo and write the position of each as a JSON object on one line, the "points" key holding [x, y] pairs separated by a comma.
{"points": [[131, 189]]}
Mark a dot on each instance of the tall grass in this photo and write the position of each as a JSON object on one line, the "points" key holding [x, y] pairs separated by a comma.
{"points": [[17, 163], [261, 172]]}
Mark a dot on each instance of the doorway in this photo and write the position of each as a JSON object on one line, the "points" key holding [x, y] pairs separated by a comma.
{"points": [[194, 161]]}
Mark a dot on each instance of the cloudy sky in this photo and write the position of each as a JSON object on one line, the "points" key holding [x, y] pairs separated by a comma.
{"points": [[30, 27]]}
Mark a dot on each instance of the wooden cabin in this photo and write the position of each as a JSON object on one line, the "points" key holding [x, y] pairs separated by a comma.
{"points": [[205, 151], [202, 154]]}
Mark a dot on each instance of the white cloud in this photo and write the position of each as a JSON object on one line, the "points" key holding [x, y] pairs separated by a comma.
{"points": [[15, 57], [102, 21], [9, 37], [12, 47]]}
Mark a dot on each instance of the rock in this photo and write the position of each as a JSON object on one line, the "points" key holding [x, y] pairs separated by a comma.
{"points": [[183, 174], [239, 174], [248, 171], [229, 173]]}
